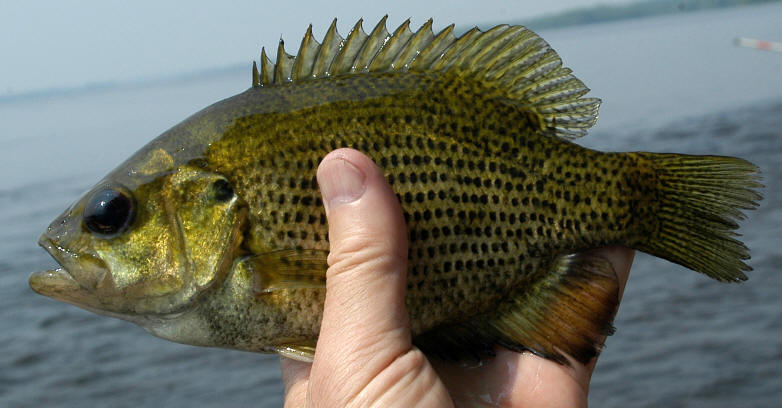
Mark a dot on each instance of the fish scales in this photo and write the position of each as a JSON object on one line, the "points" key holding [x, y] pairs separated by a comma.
{"points": [[477, 215], [214, 234]]}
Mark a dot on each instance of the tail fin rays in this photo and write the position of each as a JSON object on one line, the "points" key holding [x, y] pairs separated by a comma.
{"points": [[701, 198]]}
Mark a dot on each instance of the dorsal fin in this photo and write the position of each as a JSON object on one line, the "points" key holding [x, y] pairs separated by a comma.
{"points": [[510, 58]]}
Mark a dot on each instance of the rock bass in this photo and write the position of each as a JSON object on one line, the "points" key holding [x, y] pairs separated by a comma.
{"points": [[214, 234]]}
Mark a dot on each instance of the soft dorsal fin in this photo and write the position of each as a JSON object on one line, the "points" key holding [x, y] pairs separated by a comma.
{"points": [[510, 58]]}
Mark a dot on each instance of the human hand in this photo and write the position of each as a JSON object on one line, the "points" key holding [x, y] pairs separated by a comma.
{"points": [[365, 355]]}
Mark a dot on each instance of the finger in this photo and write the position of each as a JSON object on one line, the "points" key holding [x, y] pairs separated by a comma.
{"points": [[295, 375], [512, 379], [621, 259], [580, 375], [365, 321]]}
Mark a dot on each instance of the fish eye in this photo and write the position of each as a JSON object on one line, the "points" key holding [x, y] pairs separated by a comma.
{"points": [[108, 211], [222, 190]]}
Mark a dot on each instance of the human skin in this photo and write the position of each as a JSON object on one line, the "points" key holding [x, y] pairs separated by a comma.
{"points": [[365, 356]]}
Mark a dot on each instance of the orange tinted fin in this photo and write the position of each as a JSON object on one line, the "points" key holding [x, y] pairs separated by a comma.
{"points": [[570, 311], [567, 313], [287, 269]]}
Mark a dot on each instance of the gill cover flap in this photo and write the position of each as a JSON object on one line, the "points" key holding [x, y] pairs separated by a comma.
{"points": [[288, 269], [509, 58], [565, 314]]}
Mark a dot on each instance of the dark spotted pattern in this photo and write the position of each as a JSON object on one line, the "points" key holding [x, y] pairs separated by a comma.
{"points": [[489, 197]]}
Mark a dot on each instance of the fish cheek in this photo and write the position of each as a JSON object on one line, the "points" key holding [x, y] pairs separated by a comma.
{"points": [[144, 262], [183, 239]]}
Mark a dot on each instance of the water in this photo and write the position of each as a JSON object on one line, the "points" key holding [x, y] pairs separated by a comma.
{"points": [[669, 84]]}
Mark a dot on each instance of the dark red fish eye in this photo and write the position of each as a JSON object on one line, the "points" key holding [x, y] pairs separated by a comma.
{"points": [[108, 211]]}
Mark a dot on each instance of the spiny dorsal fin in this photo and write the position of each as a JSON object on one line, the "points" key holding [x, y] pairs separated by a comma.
{"points": [[511, 58]]}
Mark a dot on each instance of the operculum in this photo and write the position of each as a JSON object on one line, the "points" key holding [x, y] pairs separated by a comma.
{"points": [[210, 228]]}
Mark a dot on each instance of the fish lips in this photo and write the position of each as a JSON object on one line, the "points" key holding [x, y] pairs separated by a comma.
{"points": [[75, 282]]}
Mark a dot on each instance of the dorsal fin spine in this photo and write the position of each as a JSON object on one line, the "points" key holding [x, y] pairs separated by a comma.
{"points": [[266, 68], [343, 62], [512, 59], [411, 49], [369, 49], [331, 43], [392, 50], [256, 75], [451, 53], [280, 63], [303, 64], [283, 66], [435, 50]]}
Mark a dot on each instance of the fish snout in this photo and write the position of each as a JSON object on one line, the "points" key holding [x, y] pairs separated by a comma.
{"points": [[55, 283], [61, 227], [81, 267]]}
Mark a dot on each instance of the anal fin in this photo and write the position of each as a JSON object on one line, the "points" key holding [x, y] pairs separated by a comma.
{"points": [[568, 312]]}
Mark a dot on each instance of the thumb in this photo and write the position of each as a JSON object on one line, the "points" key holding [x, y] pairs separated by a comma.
{"points": [[365, 322]]}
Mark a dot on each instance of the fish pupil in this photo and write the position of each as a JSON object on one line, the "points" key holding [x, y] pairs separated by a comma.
{"points": [[108, 212], [222, 190]]}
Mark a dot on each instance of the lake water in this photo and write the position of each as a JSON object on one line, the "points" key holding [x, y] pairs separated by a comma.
{"points": [[672, 83]]}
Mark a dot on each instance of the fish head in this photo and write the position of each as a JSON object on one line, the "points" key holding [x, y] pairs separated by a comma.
{"points": [[133, 248]]}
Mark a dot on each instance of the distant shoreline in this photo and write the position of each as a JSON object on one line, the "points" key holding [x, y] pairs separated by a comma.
{"points": [[133, 83], [575, 17], [642, 9]]}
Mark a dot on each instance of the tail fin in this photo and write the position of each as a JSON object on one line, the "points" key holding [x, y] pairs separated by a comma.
{"points": [[700, 200]]}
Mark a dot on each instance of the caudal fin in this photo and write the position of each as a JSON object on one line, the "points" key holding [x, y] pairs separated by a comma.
{"points": [[701, 198]]}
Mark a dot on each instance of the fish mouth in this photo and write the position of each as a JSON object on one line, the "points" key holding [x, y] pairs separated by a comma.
{"points": [[55, 283], [61, 283]]}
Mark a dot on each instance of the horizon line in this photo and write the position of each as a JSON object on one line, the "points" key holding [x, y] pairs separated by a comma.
{"points": [[101, 86]]}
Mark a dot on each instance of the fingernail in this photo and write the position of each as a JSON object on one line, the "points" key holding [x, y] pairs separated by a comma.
{"points": [[340, 182]]}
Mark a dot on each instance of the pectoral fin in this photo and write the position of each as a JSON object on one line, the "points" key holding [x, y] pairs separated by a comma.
{"points": [[288, 269], [566, 313]]}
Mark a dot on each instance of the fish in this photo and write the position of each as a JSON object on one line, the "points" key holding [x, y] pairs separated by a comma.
{"points": [[214, 233]]}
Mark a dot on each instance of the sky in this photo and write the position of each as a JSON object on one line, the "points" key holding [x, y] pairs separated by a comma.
{"points": [[67, 44]]}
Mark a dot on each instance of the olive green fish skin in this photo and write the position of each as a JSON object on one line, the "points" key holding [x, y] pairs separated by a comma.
{"points": [[484, 216], [214, 234]]}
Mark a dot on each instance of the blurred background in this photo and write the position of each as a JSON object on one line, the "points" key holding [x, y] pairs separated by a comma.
{"points": [[85, 84]]}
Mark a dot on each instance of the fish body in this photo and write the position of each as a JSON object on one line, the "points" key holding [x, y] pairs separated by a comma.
{"points": [[214, 234]]}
